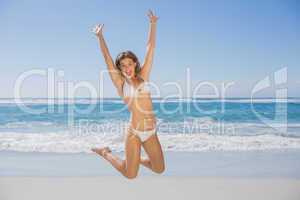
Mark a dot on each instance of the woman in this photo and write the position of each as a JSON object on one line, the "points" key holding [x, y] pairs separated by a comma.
{"points": [[131, 81]]}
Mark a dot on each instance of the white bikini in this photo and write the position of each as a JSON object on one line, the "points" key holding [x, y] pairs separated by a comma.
{"points": [[130, 91]]}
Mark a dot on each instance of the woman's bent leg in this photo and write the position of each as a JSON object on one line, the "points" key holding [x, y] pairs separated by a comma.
{"points": [[156, 161], [130, 166]]}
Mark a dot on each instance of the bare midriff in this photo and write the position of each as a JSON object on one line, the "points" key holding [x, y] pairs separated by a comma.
{"points": [[141, 108]]}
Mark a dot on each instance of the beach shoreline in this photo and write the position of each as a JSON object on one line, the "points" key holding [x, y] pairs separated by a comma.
{"points": [[234, 175], [264, 164]]}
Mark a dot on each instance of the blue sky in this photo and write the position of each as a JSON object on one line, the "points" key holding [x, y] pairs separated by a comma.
{"points": [[219, 41]]}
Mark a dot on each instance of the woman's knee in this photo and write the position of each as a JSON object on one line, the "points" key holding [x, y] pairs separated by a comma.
{"points": [[159, 168], [131, 172], [131, 175]]}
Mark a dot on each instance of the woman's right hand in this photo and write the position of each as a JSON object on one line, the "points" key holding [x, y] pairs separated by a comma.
{"points": [[98, 29]]}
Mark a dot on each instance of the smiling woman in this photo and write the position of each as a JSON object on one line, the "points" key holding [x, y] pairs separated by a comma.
{"points": [[127, 75], [127, 62]]}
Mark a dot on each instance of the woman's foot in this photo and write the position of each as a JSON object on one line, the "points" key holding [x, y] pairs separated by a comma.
{"points": [[101, 151]]}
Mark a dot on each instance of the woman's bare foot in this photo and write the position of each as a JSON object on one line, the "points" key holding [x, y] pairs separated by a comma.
{"points": [[101, 151]]}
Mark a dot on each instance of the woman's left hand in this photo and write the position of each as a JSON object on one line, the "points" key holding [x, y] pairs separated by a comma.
{"points": [[152, 17]]}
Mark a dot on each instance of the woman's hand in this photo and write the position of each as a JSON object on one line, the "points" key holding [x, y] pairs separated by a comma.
{"points": [[152, 17], [98, 29]]}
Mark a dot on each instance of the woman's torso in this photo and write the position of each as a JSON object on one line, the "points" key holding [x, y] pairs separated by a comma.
{"points": [[139, 102]]}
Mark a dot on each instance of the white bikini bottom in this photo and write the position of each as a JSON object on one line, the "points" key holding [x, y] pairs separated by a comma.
{"points": [[144, 135]]}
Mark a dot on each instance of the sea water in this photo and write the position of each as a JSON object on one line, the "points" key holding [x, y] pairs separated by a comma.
{"points": [[76, 125]]}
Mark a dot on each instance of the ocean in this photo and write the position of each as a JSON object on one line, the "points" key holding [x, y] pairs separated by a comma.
{"points": [[188, 125]]}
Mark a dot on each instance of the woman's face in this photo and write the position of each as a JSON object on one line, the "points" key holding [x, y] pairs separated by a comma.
{"points": [[128, 67]]}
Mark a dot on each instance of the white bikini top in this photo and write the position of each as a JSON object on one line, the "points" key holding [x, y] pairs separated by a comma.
{"points": [[130, 91]]}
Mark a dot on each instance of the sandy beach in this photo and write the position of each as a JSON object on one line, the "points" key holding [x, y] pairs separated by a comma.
{"points": [[261, 164], [202, 175], [111, 187]]}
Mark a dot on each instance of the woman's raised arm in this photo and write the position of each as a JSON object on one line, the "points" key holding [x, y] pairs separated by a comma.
{"points": [[115, 75], [147, 65]]}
